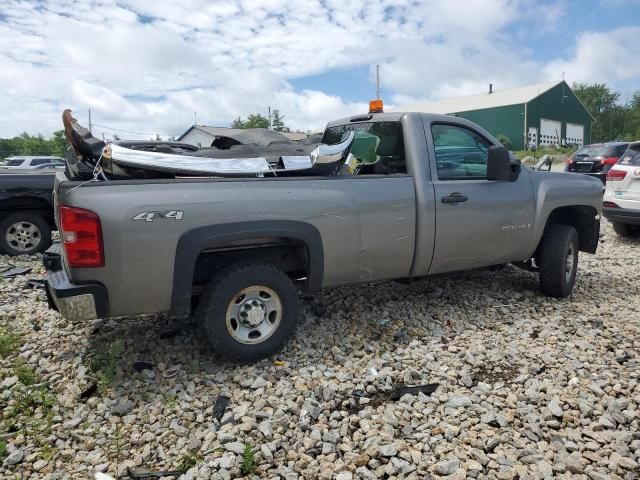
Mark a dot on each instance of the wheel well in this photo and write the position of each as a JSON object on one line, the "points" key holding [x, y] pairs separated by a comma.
{"points": [[582, 218], [35, 204], [289, 255]]}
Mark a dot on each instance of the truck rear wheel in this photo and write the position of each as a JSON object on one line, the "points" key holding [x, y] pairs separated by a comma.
{"points": [[24, 233], [626, 230], [558, 260], [249, 311]]}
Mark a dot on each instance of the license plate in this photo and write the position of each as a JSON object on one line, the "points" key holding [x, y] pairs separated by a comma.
{"points": [[583, 167]]}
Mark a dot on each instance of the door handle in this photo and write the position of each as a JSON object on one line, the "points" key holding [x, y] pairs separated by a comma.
{"points": [[455, 198]]}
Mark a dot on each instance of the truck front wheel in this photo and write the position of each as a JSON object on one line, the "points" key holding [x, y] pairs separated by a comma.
{"points": [[249, 311], [558, 260], [24, 233]]}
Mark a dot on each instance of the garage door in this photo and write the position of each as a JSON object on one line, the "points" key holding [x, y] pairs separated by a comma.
{"points": [[550, 131], [575, 134]]}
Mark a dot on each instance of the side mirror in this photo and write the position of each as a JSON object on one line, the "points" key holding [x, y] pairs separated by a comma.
{"points": [[499, 164]]}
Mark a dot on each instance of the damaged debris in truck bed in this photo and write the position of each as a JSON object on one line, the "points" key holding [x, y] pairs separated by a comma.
{"points": [[256, 152]]}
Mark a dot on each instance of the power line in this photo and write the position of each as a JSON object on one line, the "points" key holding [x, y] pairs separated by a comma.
{"points": [[120, 130]]}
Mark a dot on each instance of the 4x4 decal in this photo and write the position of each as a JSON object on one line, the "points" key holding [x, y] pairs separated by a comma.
{"points": [[166, 214]]}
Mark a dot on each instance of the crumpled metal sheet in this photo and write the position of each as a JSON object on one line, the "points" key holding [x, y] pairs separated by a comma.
{"points": [[198, 165], [166, 162]]}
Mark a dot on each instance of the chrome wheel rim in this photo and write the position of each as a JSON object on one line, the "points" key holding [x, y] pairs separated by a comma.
{"points": [[253, 314], [568, 267], [23, 236]]}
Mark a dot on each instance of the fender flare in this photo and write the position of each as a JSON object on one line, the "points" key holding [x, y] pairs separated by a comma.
{"points": [[195, 241]]}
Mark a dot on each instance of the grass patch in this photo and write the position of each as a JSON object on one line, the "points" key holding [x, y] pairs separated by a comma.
{"points": [[248, 466], [3, 449], [117, 443], [31, 414], [171, 401], [188, 461], [520, 154], [8, 342], [47, 452], [104, 365], [25, 373]]}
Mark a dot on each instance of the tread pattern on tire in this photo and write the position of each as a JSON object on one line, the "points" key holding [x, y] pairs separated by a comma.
{"points": [[214, 301], [29, 216], [552, 260]]}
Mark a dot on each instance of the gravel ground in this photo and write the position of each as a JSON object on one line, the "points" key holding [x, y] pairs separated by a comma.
{"points": [[529, 387]]}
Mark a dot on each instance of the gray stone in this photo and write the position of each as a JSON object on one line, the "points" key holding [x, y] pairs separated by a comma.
{"points": [[121, 409], [235, 447], [457, 401], [628, 463], [266, 429], [259, 382], [401, 467], [555, 408], [266, 453], [388, 450], [39, 465], [447, 467], [572, 462], [329, 392], [344, 476], [312, 408], [365, 474], [14, 458], [227, 460], [71, 424], [9, 382]]}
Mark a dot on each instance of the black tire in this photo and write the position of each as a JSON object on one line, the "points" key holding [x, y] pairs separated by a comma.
{"points": [[626, 230], [217, 301], [14, 239], [556, 266]]}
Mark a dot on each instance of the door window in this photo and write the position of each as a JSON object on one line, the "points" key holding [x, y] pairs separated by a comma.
{"points": [[461, 154]]}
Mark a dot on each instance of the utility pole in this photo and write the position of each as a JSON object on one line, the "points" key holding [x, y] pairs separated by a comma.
{"points": [[195, 119], [89, 120], [377, 82], [269, 117]]}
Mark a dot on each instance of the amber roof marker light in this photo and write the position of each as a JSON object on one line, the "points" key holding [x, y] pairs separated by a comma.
{"points": [[376, 106]]}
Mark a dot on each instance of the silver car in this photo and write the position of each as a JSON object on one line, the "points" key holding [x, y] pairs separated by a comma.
{"points": [[33, 162]]}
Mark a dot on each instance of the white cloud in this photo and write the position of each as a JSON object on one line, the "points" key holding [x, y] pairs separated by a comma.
{"points": [[602, 57], [147, 65]]}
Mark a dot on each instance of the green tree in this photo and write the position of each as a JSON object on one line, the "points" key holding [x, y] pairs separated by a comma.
{"points": [[631, 123], [254, 120], [58, 143], [602, 102], [278, 122]]}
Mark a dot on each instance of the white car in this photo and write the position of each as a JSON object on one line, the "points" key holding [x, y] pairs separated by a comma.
{"points": [[621, 202], [32, 162]]}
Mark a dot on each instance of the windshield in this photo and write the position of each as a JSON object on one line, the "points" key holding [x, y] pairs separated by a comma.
{"points": [[596, 151], [631, 157]]}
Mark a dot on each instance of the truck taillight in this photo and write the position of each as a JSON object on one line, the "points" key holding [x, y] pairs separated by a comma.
{"points": [[609, 161], [82, 237], [569, 160], [610, 205], [616, 175]]}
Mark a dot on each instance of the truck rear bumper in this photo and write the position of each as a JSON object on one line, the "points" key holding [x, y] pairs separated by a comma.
{"points": [[74, 302], [622, 215]]}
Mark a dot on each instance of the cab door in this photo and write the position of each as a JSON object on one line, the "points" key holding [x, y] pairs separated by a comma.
{"points": [[478, 222]]}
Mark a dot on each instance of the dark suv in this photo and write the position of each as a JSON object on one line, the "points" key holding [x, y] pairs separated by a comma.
{"points": [[596, 159]]}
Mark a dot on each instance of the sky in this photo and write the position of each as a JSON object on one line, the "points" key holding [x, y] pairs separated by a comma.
{"points": [[152, 66]]}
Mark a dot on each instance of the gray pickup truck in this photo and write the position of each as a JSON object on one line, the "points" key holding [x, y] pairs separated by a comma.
{"points": [[429, 195]]}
